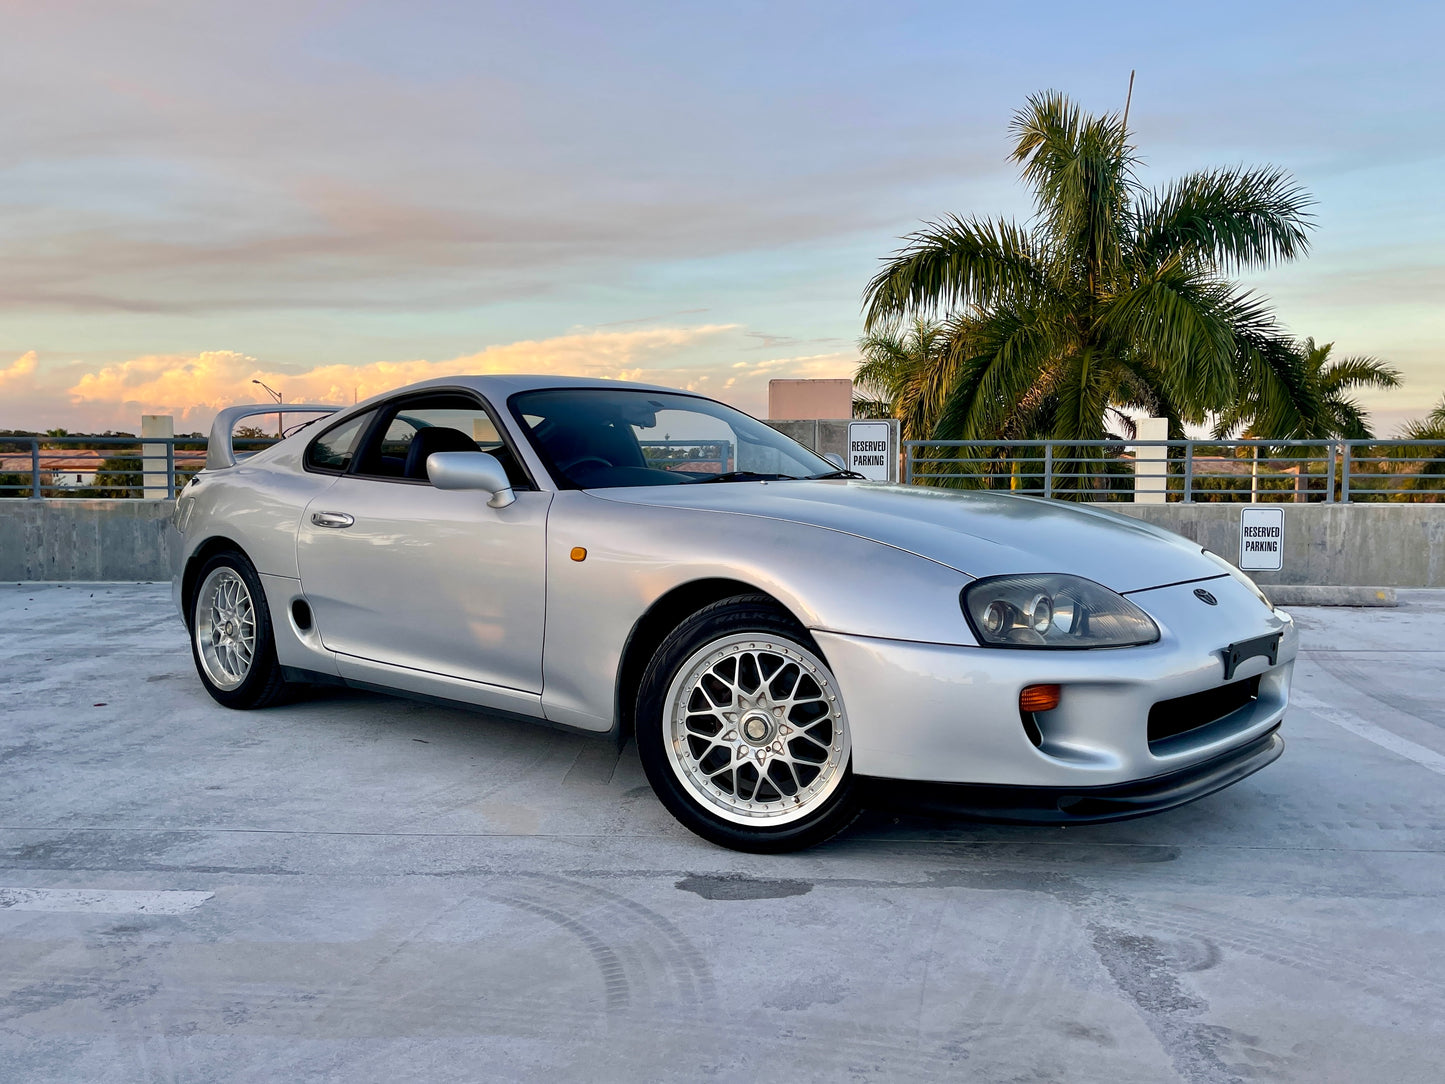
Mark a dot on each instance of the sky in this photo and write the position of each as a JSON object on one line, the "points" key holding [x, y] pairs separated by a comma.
{"points": [[339, 199]]}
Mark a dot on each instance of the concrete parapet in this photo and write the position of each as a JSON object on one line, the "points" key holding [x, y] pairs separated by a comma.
{"points": [[1357, 545], [1346, 545], [84, 540]]}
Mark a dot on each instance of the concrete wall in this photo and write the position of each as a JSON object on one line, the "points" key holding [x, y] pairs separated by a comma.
{"points": [[1366, 545], [1371, 545], [822, 435], [84, 540]]}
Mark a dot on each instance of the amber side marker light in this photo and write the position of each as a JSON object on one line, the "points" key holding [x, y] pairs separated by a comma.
{"points": [[1039, 698], [578, 553]]}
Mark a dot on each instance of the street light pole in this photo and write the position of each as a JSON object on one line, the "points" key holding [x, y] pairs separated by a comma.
{"points": [[280, 433]]}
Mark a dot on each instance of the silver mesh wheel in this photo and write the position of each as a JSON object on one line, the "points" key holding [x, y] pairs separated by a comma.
{"points": [[756, 729], [225, 628]]}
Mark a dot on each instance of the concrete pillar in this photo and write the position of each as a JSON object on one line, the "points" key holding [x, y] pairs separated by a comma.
{"points": [[154, 457], [1151, 464], [810, 398]]}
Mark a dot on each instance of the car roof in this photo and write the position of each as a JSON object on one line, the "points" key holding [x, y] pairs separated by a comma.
{"points": [[498, 386]]}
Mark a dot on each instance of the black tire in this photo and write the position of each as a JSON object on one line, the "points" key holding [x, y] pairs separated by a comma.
{"points": [[719, 624], [262, 684]]}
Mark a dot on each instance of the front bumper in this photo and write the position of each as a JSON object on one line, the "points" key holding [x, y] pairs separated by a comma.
{"points": [[1081, 805], [949, 714]]}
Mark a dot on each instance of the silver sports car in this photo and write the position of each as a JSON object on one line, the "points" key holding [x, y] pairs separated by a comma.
{"points": [[782, 639]]}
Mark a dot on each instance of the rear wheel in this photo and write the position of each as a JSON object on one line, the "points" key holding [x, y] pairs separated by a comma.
{"points": [[231, 637], [742, 730]]}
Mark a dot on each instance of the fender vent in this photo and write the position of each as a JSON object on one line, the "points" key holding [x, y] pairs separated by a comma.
{"points": [[301, 614]]}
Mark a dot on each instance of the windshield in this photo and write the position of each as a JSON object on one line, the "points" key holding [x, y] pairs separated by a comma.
{"points": [[603, 438]]}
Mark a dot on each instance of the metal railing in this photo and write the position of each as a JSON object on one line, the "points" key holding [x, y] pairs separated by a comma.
{"points": [[1188, 471], [109, 468], [684, 455]]}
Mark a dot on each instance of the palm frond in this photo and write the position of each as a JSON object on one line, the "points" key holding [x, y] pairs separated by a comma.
{"points": [[1347, 419], [998, 359], [1358, 372], [1081, 170], [1083, 397], [1436, 417], [1430, 427], [866, 407], [1279, 398], [1186, 325], [1227, 219], [956, 261]]}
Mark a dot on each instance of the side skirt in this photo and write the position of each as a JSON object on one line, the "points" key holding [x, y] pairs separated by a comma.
{"points": [[312, 677]]}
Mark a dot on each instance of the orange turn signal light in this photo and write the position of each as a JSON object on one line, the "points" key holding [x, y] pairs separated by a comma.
{"points": [[578, 553], [1039, 698]]}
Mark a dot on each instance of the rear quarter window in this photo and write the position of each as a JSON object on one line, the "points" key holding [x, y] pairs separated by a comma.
{"points": [[331, 452]]}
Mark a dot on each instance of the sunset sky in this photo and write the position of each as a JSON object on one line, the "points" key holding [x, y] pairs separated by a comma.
{"points": [[341, 198]]}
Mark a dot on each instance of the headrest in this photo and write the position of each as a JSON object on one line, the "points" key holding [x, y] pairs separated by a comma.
{"points": [[434, 439]]}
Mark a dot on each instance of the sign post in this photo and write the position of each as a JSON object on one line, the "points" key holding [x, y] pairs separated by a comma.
{"points": [[1261, 539], [873, 449]]}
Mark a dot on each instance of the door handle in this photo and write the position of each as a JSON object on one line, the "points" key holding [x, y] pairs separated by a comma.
{"points": [[331, 519]]}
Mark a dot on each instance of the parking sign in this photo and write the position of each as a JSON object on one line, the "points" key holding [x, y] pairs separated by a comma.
{"points": [[871, 450], [1261, 539]]}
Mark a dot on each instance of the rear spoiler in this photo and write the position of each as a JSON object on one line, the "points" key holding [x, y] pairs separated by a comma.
{"points": [[219, 451]]}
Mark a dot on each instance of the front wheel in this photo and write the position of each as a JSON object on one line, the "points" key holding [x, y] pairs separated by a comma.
{"points": [[742, 730], [231, 638]]}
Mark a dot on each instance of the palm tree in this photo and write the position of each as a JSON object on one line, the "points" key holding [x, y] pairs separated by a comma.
{"points": [[1430, 427], [1429, 472], [903, 375], [1318, 407], [1114, 296]]}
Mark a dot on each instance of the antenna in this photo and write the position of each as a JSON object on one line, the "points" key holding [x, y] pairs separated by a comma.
{"points": [[1128, 99]]}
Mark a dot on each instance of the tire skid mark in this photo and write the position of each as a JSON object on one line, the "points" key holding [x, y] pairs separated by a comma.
{"points": [[615, 985], [1144, 973], [691, 968], [438, 800], [653, 944], [1328, 961], [231, 1008], [1347, 669], [1034, 974]]}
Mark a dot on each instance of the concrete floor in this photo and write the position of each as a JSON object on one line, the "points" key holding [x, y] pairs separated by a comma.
{"points": [[364, 889]]}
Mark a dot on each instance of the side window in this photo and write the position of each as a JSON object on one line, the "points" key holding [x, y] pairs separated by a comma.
{"points": [[331, 452], [437, 423]]}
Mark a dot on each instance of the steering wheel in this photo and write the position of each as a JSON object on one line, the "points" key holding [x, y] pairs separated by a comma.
{"points": [[568, 467]]}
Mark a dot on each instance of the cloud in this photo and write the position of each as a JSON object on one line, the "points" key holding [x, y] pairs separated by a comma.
{"points": [[194, 387], [19, 374]]}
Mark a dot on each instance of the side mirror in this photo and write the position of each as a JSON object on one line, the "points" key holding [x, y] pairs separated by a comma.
{"points": [[471, 470], [835, 459]]}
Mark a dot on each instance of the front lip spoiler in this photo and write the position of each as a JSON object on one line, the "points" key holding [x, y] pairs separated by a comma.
{"points": [[1077, 805]]}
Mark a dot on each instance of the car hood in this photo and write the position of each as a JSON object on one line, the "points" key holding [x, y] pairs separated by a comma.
{"points": [[978, 534]]}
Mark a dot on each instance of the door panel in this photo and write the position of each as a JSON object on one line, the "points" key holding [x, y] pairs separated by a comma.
{"points": [[430, 579]]}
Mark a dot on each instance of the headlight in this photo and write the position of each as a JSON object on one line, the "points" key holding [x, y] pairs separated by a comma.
{"points": [[1240, 576], [1053, 611]]}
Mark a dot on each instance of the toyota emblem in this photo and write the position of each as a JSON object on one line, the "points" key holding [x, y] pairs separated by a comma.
{"points": [[1204, 596]]}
